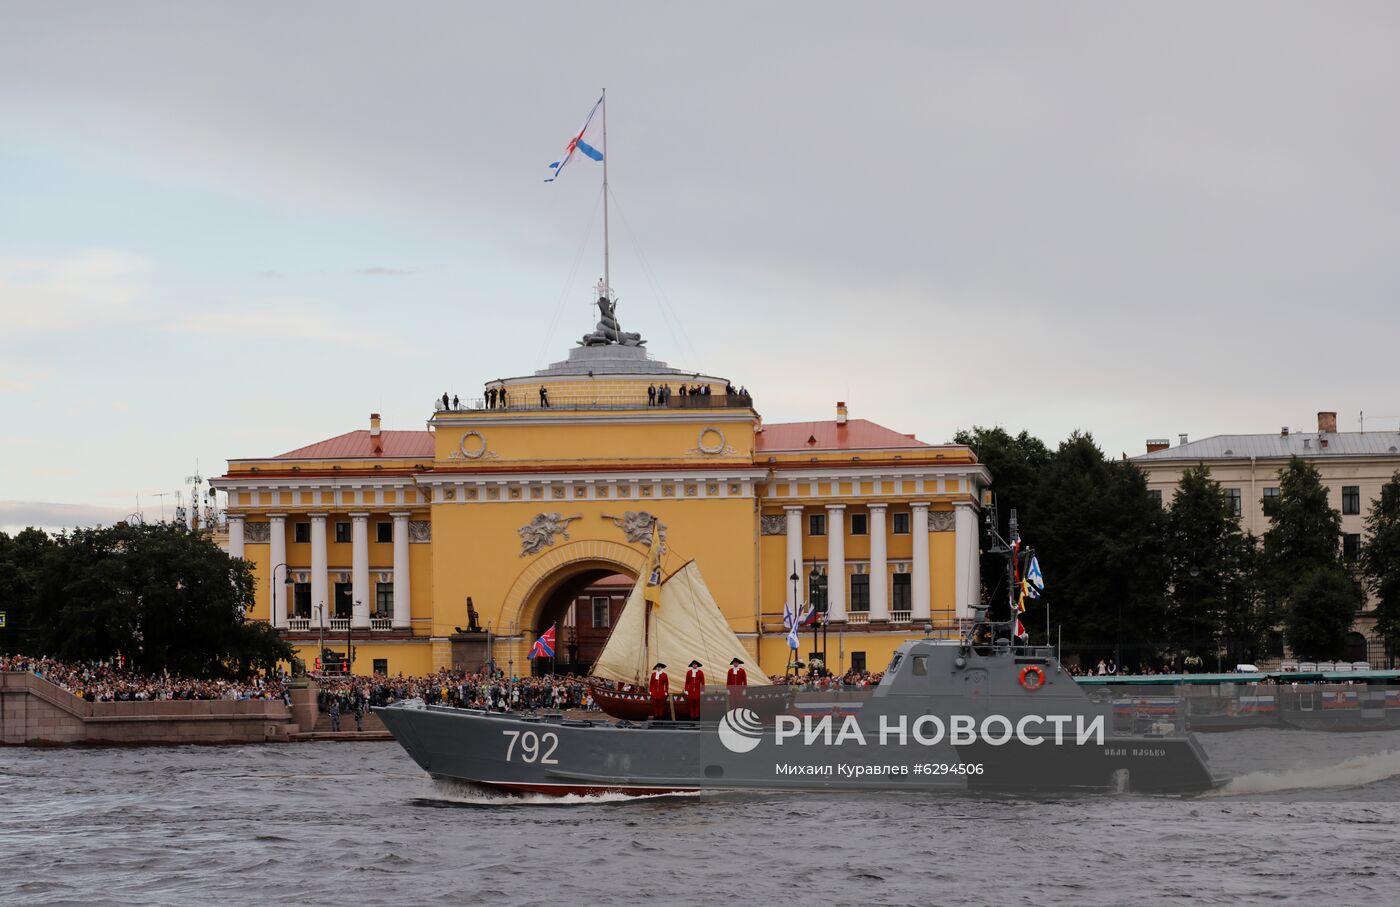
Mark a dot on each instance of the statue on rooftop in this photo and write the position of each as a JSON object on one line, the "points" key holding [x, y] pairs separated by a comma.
{"points": [[608, 330]]}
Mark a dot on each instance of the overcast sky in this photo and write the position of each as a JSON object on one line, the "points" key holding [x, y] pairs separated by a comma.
{"points": [[230, 230]]}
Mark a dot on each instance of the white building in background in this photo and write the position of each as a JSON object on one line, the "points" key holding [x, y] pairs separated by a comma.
{"points": [[1353, 465]]}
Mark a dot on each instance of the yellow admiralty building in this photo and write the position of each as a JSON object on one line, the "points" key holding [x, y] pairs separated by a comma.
{"points": [[456, 545]]}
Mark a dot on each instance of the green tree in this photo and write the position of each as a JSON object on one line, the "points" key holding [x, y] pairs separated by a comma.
{"points": [[1320, 611], [1206, 551], [1303, 578], [1098, 536], [21, 559], [1380, 559], [163, 597]]}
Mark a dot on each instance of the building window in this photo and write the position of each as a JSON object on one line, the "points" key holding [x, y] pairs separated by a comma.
{"points": [[1270, 494], [860, 592], [342, 532], [1156, 495], [381, 666], [858, 661], [344, 600], [384, 533], [859, 524], [901, 524], [1232, 495], [816, 524], [301, 600], [602, 612], [1351, 499], [1351, 547], [301, 532], [902, 597], [383, 599]]}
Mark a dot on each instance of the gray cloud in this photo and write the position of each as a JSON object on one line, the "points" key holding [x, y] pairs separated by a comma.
{"points": [[383, 272], [17, 515]]}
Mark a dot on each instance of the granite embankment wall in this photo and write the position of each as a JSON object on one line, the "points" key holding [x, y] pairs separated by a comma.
{"points": [[35, 712]]}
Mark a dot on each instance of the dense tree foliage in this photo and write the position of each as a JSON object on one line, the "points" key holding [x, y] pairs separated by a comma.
{"points": [[1303, 578], [1380, 559], [159, 596]]}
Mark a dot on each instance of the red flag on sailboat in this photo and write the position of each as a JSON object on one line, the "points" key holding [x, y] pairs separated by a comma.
{"points": [[544, 646]]}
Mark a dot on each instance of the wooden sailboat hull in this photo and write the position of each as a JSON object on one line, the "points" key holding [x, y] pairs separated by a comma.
{"points": [[636, 706]]}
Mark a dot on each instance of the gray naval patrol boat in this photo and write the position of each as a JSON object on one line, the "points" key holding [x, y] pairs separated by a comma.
{"points": [[975, 713]]}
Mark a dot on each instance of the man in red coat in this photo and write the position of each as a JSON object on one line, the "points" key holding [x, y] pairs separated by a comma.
{"points": [[736, 683], [660, 690], [694, 686]]}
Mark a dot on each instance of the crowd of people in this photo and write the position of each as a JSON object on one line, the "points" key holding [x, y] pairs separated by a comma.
{"points": [[111, 681], [463, 689]]}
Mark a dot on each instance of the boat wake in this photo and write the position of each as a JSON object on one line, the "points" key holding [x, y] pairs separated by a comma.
{"points": [[446, 793], [1355, 772]]}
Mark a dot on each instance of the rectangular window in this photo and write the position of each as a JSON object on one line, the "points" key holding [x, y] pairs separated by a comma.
{"points": [[1233, 496], [859, 524], [342, 533], [1351, 547], [383, 533], [901, 524], [344, 600], [858, 661], [816, 524], [301, 532], [383, 599], [902, 597], [920, 666], [1351, 499], [381, 666], [301, 600], [860, 592], [1156, 495], [602, 612]]}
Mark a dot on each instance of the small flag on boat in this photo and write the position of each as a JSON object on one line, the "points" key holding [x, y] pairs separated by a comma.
{"points": [[544, 646], [792, 637], [652, 591], [1035, 583], [1021, 629], [577, 143]]}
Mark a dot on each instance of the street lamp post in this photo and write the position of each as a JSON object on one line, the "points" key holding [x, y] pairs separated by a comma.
{"points": [[350, 642], [319, 611], [795, 578], [272, 594]]}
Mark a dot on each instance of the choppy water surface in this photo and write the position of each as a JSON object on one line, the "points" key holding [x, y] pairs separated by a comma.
{"points": [[1310, 819]]}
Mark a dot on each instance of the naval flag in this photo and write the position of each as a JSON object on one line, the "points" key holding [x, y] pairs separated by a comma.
{"points": [[1035, 583], [577, 143], [544, 646]]}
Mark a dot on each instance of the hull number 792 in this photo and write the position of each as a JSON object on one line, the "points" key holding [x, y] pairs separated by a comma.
{"points": [[533, 747]]}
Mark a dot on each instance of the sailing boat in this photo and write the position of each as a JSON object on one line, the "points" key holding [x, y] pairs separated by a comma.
{"points": [[686, 624]]}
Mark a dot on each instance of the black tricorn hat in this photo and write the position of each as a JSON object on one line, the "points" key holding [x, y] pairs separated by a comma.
{"points": [[736, 661], [695, 664], [658, 666]]}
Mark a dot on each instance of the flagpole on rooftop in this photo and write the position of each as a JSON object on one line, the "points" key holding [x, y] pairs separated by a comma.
{"points": [[607, 282]]}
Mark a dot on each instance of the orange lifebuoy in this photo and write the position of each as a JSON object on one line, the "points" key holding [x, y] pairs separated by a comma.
{"points": [[1030, 671]]}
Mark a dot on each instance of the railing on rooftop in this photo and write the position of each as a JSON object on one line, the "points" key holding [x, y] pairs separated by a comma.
{"points": [[563, 401]]}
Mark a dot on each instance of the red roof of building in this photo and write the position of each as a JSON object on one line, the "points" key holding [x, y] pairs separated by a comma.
{"points": [[360, 444], [856, 434]]}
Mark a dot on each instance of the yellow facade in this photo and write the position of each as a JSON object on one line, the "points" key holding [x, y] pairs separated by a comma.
{"points": [[518, 507]]}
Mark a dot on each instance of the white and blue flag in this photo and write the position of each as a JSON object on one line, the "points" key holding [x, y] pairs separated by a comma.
{"points": [[577, 143], [1035, 583]]}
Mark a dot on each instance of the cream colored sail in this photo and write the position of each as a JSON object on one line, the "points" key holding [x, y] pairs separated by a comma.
{"points": [[687, 625]]}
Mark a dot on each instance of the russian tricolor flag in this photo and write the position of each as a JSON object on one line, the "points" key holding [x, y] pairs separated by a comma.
{"points": [[577, 143]]}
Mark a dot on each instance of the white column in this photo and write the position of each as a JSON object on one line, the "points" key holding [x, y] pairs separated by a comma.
{"points": [[359, 570], [277, 575], [320, 585], [919, 584], [969, 563], [794, 551], [403, 614], [836, 561], [235, 535], [879, 565]]}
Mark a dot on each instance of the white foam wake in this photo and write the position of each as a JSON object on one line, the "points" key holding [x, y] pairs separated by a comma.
{"points": [[473, 795], [1354, 772]]}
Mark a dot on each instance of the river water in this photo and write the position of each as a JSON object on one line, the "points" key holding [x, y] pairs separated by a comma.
{"points": [[1310, 818]]}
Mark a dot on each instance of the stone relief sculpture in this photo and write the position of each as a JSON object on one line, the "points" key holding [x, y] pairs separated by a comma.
{"points": [[940, 521], [257, 532], [608, 330], [540, 532], [636, 526], [773, 525], [420, 531]]}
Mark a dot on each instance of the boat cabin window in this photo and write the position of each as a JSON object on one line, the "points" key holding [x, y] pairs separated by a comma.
{"points": [[920, 665], [894, 663]]}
